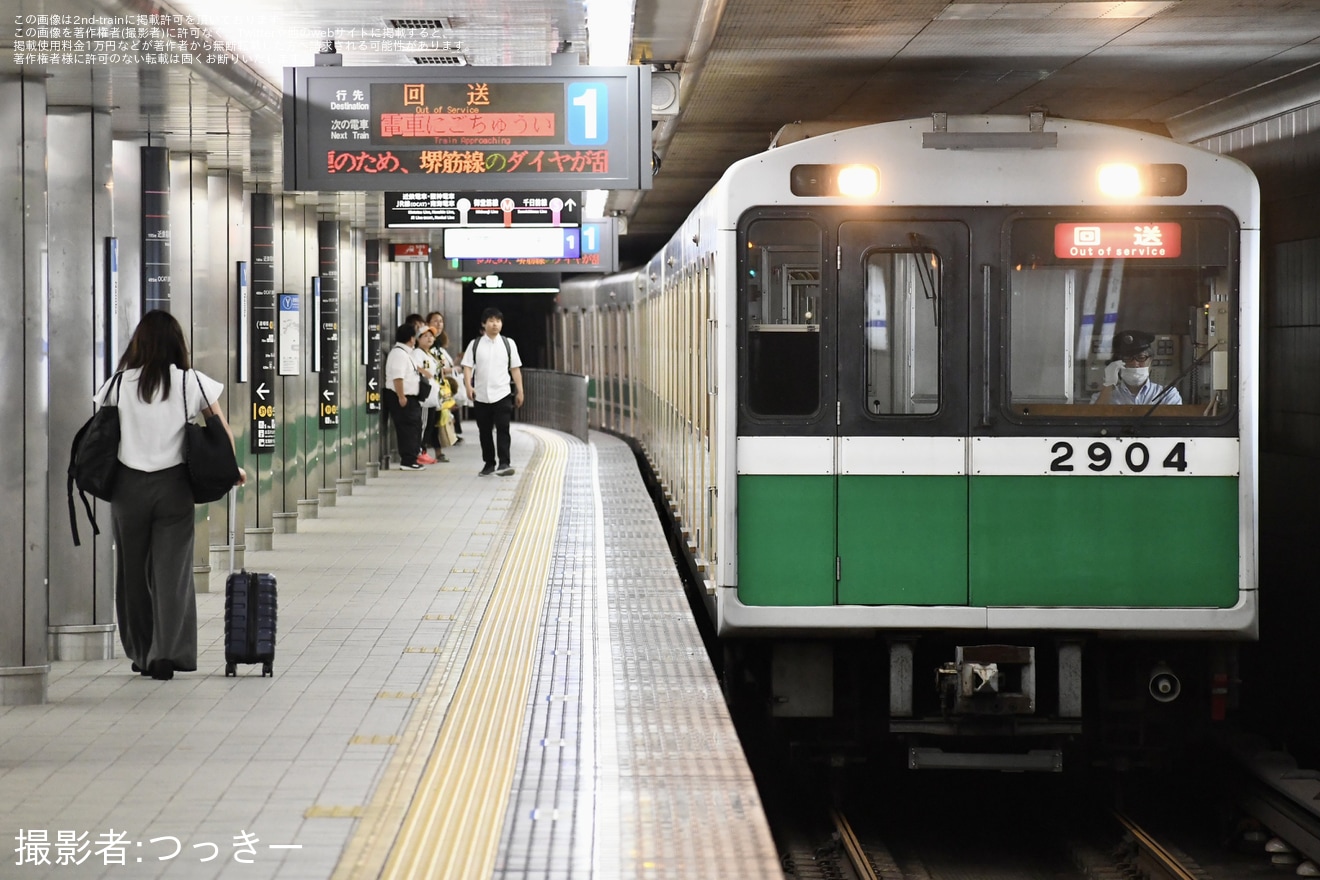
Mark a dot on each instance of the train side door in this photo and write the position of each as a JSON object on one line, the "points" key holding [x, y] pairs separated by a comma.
{"points": [[902, 413]]}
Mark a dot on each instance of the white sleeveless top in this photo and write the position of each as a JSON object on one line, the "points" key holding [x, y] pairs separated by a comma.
{"points": [[151, 434]]}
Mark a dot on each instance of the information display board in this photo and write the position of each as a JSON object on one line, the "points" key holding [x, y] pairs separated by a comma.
{"points": [[524, 128]]}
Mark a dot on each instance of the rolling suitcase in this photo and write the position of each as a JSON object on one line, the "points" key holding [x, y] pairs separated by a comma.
{"points": [[250, 611]]}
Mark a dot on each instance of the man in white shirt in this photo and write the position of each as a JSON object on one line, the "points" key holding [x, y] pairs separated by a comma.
{"points": [[401, 385], [492, 377]]}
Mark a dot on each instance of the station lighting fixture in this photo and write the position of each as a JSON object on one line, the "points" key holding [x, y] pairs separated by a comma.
{"points": [[609, 44]]}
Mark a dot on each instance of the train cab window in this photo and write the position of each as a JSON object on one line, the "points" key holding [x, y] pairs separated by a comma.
{"points": [[781, 296], [902, 332], [1092, 335]]}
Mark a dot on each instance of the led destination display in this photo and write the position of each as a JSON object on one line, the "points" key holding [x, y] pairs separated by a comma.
{"points": [[525, 128]]}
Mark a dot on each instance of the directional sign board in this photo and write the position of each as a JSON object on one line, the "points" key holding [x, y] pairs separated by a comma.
{"points": [[410, 252], [429, 209], [599, 252], [543, 282], [525, 128], [263, 317]]}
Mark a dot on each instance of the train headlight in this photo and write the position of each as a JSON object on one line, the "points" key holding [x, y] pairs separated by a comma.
{"points": [[1126, 181], [858, 181], [853, 181], [1120, 181]]}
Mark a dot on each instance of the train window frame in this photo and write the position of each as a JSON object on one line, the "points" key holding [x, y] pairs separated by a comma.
{"points": [[931, 284], [747, 347], [1079, 412]]}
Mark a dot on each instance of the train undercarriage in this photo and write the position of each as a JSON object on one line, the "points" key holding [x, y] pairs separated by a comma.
{"points": [[1015, 705]]}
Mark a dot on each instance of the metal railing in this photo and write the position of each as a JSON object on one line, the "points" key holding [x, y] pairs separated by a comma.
{"points": [[555, 400]]}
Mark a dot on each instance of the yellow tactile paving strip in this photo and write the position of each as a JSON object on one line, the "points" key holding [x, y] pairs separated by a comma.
{"points": [[440, 808]]}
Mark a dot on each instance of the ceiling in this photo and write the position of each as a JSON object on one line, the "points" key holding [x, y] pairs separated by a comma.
{"points": [[747, 68]]}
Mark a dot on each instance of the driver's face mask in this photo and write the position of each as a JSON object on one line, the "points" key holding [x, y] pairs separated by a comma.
{"points": [[1135, 376]]}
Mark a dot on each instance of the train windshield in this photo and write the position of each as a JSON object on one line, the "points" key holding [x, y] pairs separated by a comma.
{"points": [[1112, 319]]}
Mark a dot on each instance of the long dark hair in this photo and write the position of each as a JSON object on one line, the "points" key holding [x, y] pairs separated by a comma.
{"points": [[157, 344]]}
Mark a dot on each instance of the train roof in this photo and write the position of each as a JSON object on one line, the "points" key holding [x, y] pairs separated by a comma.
{"points": [[985, 160]]}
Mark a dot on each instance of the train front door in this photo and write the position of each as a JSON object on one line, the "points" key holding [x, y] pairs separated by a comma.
{"points": [[854, 411], [903, 400]]}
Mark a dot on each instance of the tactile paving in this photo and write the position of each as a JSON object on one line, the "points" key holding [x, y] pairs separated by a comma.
{"points": [[630, 767]]}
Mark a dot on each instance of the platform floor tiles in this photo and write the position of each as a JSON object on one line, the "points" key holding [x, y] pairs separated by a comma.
{"points": [[617, 759]]}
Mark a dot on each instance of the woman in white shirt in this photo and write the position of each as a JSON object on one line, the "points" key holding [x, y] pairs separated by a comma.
{"points": [[429, 368], [448, 369], [152, 506]]}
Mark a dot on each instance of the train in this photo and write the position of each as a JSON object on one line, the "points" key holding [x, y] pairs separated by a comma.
{"points": [[873, 373]]}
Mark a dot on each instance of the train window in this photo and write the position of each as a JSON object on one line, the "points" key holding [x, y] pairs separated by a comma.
{"points": [[902, 332], [1099, 336], [781, 297]]}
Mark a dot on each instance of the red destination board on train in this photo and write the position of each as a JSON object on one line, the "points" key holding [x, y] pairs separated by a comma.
{"points": [[1118, 241]]}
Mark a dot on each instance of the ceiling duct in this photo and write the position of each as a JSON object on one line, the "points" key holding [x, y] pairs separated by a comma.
{"points": [[1293, 93]]}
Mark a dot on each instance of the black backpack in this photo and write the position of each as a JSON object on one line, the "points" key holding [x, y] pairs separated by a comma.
{"points": [[94, 457]]}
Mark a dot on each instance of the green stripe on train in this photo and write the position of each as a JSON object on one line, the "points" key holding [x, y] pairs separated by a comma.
{"points": [[1040, 541], [1105, 541]]}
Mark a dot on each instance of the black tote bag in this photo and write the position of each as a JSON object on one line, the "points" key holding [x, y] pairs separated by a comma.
{"points": [[94, 457], [209, 454]]}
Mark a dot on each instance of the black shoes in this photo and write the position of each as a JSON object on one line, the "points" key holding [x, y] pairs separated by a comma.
{"points": [[161, 670], [487, 470], [504, 470], [412, 467]]}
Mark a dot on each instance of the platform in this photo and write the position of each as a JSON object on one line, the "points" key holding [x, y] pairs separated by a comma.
{"points": [[475, 677]]}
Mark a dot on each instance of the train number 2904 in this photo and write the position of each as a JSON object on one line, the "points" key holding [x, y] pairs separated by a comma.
{"points": [[1100, 458]]}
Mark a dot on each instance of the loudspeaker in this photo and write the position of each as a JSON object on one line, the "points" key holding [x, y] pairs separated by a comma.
{"points": [[664, 93]]}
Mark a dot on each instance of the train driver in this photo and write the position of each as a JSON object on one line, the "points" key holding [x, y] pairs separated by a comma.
{"points": [[1127, 380]]}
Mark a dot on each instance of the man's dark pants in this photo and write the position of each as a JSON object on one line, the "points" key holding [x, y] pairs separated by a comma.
{"points": [[407, 425], [494, 417]]}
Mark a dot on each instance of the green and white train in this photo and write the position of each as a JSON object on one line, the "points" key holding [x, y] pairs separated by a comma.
{"points": [[863, 371]]}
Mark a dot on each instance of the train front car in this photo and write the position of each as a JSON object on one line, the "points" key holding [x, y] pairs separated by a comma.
{"points": [[958, 420], [995, 404]]}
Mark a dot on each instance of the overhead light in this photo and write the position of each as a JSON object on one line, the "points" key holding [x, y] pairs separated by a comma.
{"points": [[593, 204], [609, 32]]}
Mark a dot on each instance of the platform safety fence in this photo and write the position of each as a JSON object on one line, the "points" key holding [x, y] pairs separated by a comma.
{"points": [[555, 400]]}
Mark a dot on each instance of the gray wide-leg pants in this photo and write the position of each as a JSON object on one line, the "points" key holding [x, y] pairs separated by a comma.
{"points": [[152, 517]]}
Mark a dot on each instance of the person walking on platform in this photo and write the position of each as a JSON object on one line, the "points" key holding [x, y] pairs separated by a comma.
{"points": [[402, 382], [492, 376], [151, 510]]}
